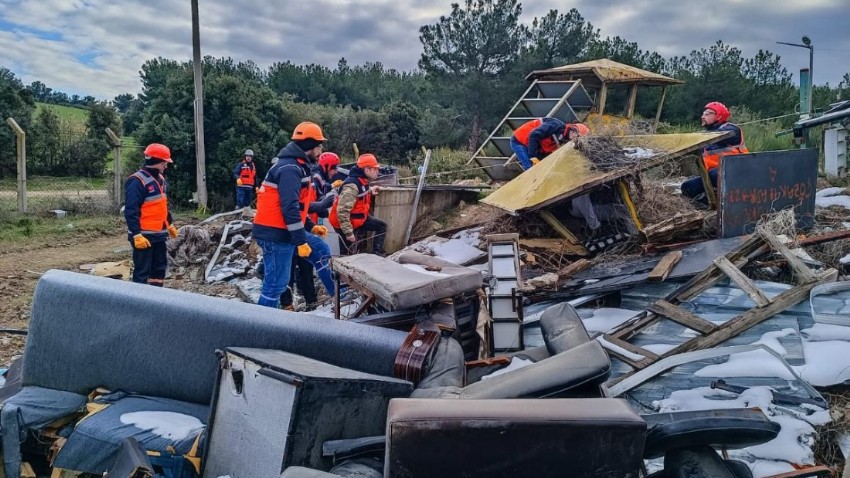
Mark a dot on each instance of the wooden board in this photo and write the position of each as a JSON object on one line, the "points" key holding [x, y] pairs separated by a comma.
{"points": [[665, 267], [751, 186]]}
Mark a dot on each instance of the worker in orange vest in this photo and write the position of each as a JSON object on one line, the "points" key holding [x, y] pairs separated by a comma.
{"points": [[281, 222], [350, 212], [715, 118], [245, 174], [149, 222], [538, 138]]}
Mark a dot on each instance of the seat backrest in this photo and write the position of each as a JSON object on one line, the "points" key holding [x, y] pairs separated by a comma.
{"points": [[579, 367], [562, 328], [88, 332], [597, 437]]}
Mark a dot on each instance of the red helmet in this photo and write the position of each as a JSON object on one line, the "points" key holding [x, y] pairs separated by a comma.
{"points": [[158, 151], [328, 161], [720, 110]]}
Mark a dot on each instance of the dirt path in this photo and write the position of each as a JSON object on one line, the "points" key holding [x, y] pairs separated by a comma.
{"points": [[21, 266]]}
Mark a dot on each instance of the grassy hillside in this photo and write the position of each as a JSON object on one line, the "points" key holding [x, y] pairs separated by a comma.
{"points": [[76, 117]]}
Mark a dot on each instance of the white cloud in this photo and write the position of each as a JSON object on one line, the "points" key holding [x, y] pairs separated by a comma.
{"points": [[97, 47]]}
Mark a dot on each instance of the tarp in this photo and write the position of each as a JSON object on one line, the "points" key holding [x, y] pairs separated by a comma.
{"points": [[567, 173]]}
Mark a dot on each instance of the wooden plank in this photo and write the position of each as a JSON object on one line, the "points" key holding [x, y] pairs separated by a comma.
{"points": [[682, 316], [573, 269], [648, 357], [802, 273], [556, 246], [676, 226], [753, 316], [742, 280], [558, 227], [665, 267]]}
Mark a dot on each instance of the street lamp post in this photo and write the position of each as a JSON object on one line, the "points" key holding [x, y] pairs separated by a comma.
{"points": [[807, 43]]}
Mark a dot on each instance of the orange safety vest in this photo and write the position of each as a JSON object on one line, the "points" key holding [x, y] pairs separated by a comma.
{"points": [[247, 174], [268, 203], [360, 210], [711, 158], [153, 217], [547, 145]]}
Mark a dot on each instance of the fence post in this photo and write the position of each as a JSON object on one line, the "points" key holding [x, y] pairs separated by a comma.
{"points": [[22, 163], [117, 184]]}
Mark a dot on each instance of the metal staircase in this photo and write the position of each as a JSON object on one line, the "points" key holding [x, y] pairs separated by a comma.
{"points": [[565, 100]]}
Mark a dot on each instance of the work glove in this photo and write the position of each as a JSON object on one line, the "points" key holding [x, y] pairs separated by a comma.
{"points": [[172, 231], [320, 231], [141, 242], [304, 250], [534, 161], [336, 183], [238, 182]]}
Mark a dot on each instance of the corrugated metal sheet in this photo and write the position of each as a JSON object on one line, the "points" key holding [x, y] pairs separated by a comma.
{"points": [[567, 173]]}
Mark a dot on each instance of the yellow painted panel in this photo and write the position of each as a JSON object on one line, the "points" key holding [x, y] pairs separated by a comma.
{"points": [[567, 172]]}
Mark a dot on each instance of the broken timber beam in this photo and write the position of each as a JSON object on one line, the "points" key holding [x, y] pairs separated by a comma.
{"points": [[648, 357], [558, 226], [665, 267], [573, 269], [682, 317], [677, 226], [742, 280], [801, 272]]}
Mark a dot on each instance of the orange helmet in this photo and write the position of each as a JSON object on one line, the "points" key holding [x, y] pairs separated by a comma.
{"points": [[328, 161], [308, 130], [158, 151], [576, 130], [720, 110], [367, 161]]}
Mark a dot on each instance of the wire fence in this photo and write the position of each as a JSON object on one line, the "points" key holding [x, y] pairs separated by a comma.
{"points": [[68, 173]]}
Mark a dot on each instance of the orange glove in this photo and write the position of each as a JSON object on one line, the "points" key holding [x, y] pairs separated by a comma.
{"points": [[320, 231], [336, 183], [141, 242], [304, 250], [238, 181], [172, 231], [534, 161]]}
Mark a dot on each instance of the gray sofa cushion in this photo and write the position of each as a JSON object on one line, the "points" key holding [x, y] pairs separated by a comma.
{"points": [[88, 332], [562, 328]]}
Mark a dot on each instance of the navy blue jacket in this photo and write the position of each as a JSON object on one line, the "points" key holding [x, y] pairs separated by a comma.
{"points": [[734, 140], [549, 127], [134, 196], [288, 173]]}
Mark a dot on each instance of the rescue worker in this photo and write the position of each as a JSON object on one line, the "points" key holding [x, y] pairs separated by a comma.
{"points": [[302, 269], [149, 222], [538, 138], [350, 212], [282, 206], [245, 174], [715, 117]]}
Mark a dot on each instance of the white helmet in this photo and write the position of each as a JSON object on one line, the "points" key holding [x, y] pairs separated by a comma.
{"points": [[249, 152]]}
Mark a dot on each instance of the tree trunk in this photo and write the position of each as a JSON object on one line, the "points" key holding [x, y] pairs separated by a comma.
{"points": [[475, 133]]}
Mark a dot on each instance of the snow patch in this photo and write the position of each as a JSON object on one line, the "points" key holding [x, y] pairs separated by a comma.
{"points": [[638, 153], [827, 192], [470, 237], [823, 332], [170, 425], [422, 270], [824, 365], [605, 319], [845, 259], [755, 363]]}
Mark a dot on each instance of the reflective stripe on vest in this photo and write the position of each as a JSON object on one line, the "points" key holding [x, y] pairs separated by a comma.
{"points": [[153, 216], [711, 158], [247, 174], [268, 204], [547, 145], [360, 210]]}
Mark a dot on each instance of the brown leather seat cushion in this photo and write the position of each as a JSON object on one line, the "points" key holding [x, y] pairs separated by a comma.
{"points": [[598, 437]]}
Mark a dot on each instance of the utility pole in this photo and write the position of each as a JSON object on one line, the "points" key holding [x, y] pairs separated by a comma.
{"points": [[200, 154], [807, 43]]}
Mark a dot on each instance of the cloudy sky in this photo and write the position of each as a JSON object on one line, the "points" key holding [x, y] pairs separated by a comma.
{"points": [[97, 47]]}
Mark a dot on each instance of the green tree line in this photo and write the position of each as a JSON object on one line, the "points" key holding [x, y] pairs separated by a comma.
{"points": [[472, 68]]}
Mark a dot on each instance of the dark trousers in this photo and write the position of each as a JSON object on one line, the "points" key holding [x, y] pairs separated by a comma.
{"points": [[244, 196], [302, 275], [371, 224], [694, 189], [149, 265]]}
